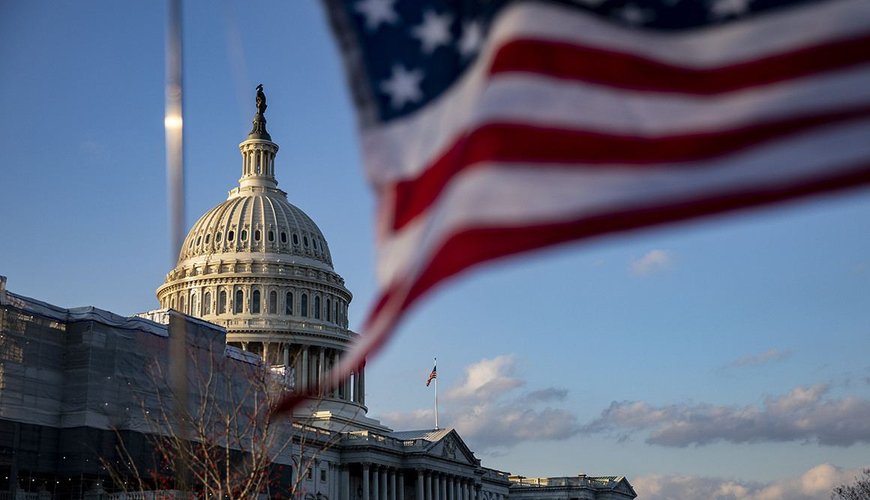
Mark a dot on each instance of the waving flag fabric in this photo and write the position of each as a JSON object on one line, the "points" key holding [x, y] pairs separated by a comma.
{"points": [[494, 127], [432, 376]]}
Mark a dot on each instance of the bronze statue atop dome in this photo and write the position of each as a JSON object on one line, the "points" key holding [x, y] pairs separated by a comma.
{"points": [[259, 130]]}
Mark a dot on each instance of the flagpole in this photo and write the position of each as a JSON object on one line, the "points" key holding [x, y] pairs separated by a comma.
{"points": [[436, 393]]}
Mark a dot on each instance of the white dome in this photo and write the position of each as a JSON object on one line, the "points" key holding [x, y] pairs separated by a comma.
{"points": [[257, 220]]}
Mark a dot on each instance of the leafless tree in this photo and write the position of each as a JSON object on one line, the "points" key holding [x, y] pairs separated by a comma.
{"points": [[859, 490], [225, 443]]}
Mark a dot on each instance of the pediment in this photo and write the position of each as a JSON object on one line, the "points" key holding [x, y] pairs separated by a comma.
{"points": [[452, 447]]}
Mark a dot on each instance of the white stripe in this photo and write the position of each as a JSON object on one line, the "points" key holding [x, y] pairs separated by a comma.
{"points": [[518, 196], [403, 147], [781, 30], [548, 102]]}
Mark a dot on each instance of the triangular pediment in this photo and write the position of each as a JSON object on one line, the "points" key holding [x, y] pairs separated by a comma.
{"points": [[452, 447]]}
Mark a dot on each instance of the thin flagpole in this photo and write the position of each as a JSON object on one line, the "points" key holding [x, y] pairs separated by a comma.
{"points": [[435, 369], [173, 123]]}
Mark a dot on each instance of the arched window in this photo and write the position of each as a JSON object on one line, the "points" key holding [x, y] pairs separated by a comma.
{"points": [[222, 302], [283, 237], [172, 304], [206, 303], [288, 304], [181, 303], [256, 235], [271, 235], [244, 235], [328, 310], [273, 302], [240, 299], [295, 239], [335, 311], [230, 235], [304, 241], [193, 304], [255, 302], [304, 305], [316, 307]]}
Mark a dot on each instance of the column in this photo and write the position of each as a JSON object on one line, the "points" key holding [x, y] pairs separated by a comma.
{"points": [[392, 495], [436, 486], [304, 380], [400, 487], [362, 384], [384, 485], [430, 486], [457, 489], [266, 352], [320, 368], [286, 359], [344, 491], [450, 485], [365, 481], [420, 494], [468, 485], [335, 392], [375, 486], [443, 487]]}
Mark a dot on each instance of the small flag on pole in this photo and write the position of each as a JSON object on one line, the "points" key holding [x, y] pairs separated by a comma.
{"points": [[432, 376]]}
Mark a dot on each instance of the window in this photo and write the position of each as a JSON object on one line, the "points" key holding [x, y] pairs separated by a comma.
{"points": [[323, 474], [257, 235], [295, 239], [288, 304], [304, 305], [172, 304], [217, 238], [273, 302], [271, 236], [198, 239], [335, 311], [304, 241], [328, 310], [222, 302], [207, 238], [255, 302], [240, 298], [181, 303], [230, 235], [206, 303], [283, 237], [193, 304], [243, 235], [313, 242], [316, 307]]}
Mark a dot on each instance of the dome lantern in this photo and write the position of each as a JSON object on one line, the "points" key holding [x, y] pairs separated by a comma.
{"points": [[258, 151]]}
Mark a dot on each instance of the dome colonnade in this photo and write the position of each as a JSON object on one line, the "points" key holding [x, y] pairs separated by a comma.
{"points": [[260, 267]]}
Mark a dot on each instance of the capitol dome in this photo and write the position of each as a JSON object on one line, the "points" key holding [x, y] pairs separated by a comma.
{"points": [[260, 267]]}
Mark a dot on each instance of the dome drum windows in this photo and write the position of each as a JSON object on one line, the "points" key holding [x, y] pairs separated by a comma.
{"points": [[295, 239], [255, 302], [243, 236], [271, 235], [256, 235], [206, 303], [217, 238], [316, 307], [273, 302], [222, 302], [303, 306], [230, 235], [288, 304], [283, 237], [239, 302]]}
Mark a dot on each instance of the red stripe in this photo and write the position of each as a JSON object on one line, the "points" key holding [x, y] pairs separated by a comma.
{"points": [[514, 143], [629, 71], [471, 247]]}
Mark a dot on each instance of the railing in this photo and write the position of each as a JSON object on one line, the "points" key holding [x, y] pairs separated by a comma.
{"points": [[560, 482], [150, 495], [24, 495]]}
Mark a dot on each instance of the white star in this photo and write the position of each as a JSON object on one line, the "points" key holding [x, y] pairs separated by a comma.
{"points": [[403, 86], [471, 40], [377, 12], [634, 15], [724, 8], [434, 31]]}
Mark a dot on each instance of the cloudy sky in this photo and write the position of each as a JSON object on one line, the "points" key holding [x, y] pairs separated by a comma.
{"points": [[723, 359]]}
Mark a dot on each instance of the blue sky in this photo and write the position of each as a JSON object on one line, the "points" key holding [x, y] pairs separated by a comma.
{"points": [[725, 357]]}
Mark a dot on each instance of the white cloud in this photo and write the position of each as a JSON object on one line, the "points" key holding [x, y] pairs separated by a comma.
{"points": [[804, 414], [815, 484], [489, 413], [773, 354], [652, 262], [487, 379]]}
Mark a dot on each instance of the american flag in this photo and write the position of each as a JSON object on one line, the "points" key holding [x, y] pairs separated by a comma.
{"points": [[494, 127], [432, 376]]}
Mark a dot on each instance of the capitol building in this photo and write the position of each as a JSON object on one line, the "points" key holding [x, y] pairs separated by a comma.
{"points": [[255, 288]]}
